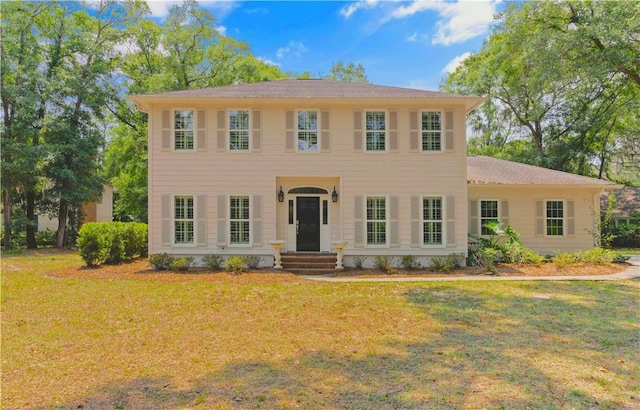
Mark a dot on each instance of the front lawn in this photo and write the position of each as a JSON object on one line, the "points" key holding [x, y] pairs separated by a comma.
{"points": [[177, 341]]}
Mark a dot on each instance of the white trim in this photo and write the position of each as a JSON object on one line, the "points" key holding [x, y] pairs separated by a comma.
{"points": [[228, 215], [227, 131], [296, 130], [194, 130], [365, 221], [442, 130], [364, 131], [193, 243], [443, 221], [564, 217], [480, 214]]}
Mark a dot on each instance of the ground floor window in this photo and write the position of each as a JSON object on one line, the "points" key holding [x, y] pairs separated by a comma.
{"points": [[432, 220], [376, 220], [239, 220], [183, 219], [555, 218], [488, 213]]}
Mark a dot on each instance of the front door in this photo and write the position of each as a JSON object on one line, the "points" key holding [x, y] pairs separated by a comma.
{"points": [[308, 224]]}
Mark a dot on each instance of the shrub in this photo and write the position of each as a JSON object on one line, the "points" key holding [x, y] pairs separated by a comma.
{"points": [[115, 242], [520, 255], [384, 263], [213, 262], [563, 259], [358, 261], [252, 261], [409, 262], [235, 264], [92, 244], [447, 263], [46, 238], [485, 258], [182, 264], [161, 261], [596, 256]]}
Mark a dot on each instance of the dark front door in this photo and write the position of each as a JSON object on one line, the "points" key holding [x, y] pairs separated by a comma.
{"points": [[308, 224]]}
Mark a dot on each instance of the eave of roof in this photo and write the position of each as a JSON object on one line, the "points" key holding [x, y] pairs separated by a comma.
{"points": [[482, 170], [308, 89]]}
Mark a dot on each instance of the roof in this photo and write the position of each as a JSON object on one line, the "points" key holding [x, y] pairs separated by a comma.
{"points": [[487, 170], [310, 89], [627, 201]]}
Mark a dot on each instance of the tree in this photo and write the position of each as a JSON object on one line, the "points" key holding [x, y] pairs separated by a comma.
{"points": [[350, 73], [560, 74]]}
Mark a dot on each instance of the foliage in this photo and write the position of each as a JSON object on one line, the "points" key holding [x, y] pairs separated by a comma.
{"points": [[253, 261], [520, 255], [596, 256], [213, 262], [235, 264], [409, 262], [111, 242], [501, 244], [626, 235], [161, 261], [349, 73], [562, 86], [358, 261], [447, 263], [182, 264], [601, 236], [384, 263], [563, 259]]}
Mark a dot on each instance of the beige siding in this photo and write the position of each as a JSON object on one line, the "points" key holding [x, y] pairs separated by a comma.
{"points": [[402, 173], [522, 213]]}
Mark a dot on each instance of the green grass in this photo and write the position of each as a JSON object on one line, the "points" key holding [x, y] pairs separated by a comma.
{"points": [[135, 344]]}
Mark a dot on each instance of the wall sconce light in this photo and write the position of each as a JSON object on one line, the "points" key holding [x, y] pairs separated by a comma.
{"points": [[334, 195], [280, 195]]}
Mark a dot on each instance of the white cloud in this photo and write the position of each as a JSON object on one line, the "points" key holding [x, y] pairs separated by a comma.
{"points": [[458, 22], [268, 61], [422, 85], [455, 62], [219, 8], [351, 8], [413, 37], [222, 30], [295, 48], [160, 8], [417, 37]]}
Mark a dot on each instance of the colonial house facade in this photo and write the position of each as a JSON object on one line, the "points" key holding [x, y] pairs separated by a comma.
{"points": [[311, 165]]}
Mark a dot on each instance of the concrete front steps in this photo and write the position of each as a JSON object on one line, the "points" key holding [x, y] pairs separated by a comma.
{"points": [[309, 263]]}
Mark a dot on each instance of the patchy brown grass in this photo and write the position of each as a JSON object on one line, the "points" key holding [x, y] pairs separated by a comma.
{"points": [[128, 338]]}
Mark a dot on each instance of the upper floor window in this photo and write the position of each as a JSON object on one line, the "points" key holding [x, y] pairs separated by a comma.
{"points": [[376, 130], [183, 129], [555, 218], [432, 217], [307, 131], [238, 130], [431, 131], [376, 220], [183, 219], [488, 213]]}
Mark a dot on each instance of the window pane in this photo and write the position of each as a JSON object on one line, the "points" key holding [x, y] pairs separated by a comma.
{"points": [[239, 219], [488, 213], [376, 221], [183, 119], [183, 219], [432, 220], [238, 130], [555, 218], [307, 130], [376, 130]]}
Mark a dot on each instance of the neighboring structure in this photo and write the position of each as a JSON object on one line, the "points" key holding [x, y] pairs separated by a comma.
{"points": [[101, 211], [313, 163], [627, 206]]}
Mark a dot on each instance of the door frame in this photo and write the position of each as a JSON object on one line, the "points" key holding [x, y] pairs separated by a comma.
{"points": [[325, 229]]}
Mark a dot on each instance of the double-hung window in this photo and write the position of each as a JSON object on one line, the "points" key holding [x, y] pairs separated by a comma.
{"points": [[432, 221], [555, 218], [376, 220], [376, 130], [239, 220], [183, 219], [238, 130], [307, 131], [183, 129], [431, 131], [488, 213]]}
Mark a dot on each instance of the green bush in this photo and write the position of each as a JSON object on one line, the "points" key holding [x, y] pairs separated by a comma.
{"points": [[235, 264], [111, 242], [46, 238], [213, 262], [409, 262], [182, 264], [161, 261], [384, 263], [358, 261], [447, 263], [563, 259], [520, 255], [596, 256], [253, 261]]}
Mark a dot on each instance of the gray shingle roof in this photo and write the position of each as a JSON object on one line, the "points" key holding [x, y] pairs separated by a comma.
{"points": [[307, 89], [487, 170], [627, 201]]}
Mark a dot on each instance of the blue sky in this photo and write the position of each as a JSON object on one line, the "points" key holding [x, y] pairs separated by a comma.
{"points": [[400, 43]]}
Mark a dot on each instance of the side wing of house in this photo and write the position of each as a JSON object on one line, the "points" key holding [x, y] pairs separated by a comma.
{"points": [[549, 219]]}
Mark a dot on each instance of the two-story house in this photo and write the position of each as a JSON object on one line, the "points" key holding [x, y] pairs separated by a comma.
{"points": [[314, 162]]}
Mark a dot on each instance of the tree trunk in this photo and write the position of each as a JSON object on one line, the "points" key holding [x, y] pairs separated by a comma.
{"points": [[31, 228], [6, 201], [62, 223]]}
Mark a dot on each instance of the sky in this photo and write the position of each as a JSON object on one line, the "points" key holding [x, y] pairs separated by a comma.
{"points": [[410, 44]]}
